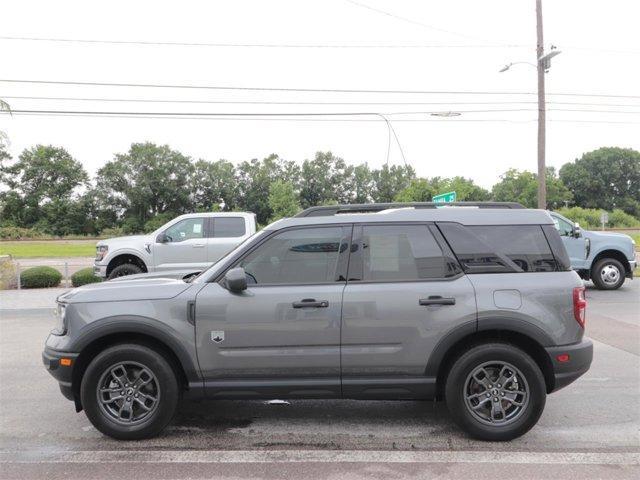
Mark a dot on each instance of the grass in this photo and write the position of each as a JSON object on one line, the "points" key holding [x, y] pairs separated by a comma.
{"points": [[51, 248]]}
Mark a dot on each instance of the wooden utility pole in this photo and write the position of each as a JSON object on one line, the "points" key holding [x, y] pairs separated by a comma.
{"points": [[542, 184]]}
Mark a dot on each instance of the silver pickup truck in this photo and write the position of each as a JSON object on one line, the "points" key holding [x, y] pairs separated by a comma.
{"points": [[188, 242]]}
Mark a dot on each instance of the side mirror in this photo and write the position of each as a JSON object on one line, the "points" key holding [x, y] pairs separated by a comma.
{"points": [[577, 231], [236, 280], [162, 238]]}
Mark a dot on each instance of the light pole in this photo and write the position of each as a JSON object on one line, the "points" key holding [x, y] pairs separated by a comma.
{"points": [[542, 65]]}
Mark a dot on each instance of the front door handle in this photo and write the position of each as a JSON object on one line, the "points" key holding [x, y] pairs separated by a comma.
{"points": [[311, 303], [198, 245], [437, 300]]}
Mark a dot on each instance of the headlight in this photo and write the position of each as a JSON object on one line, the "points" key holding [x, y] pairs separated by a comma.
{"points": [[61, 320], [101, 251]]}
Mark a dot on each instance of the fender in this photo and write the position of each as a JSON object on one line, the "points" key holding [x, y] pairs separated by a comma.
{"points": [[459, 332], [142, 255], [144, 326]]}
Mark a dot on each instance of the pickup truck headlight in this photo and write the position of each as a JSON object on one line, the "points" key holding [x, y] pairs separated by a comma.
{"points": [[61, 319], [101, 252]]}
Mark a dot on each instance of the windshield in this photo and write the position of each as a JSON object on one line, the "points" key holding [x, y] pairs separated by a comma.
{"points": [[229, 254]]}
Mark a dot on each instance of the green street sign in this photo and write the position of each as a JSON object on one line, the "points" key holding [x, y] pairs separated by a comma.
{"points": [[445, 197]]}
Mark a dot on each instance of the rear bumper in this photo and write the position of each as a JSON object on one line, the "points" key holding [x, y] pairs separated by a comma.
{"points": [[579, 360], [63, 374]]}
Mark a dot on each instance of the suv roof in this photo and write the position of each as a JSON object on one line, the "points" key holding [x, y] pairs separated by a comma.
{"points": [[328, 210], [464, 216]]}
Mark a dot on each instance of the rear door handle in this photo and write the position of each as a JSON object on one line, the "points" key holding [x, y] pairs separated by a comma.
{"points": [[198, 245], [437, 300], [311, 303]]}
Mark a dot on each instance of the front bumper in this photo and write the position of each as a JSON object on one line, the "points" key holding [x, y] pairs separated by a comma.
{"points": [[62, 373], [100, 270], [579, 360], [632, 266]]}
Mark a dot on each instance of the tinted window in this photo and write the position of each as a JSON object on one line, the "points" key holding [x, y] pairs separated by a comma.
{"points": [[557, 247], [185, 230], [500, 248], [400, 252], [298, 256], [228, 227]]}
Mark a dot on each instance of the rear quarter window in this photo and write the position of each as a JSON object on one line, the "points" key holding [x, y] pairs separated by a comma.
{"points": [[500, 248]]}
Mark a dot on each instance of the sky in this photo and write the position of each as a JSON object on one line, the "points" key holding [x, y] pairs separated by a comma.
{"points": [[406, 46]]}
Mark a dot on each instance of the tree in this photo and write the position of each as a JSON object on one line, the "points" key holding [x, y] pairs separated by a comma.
{"points": [[325, 178], [254, 179], [362, 184], [465, 188], [214, 183], [606, 178], [388, 182], [419, 190], [522, 187], [44, 179], [283, 200], [146, 181]]}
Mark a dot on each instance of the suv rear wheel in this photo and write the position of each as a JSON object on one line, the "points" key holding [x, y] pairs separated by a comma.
{"points": [[129, 392], [608, 274], [495, 392]]}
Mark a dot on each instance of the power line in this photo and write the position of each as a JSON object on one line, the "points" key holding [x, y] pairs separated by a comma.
{"points": [[256, 102], [253, 45], [336, 120], [290, 114], [318, 90], [411, 21]]}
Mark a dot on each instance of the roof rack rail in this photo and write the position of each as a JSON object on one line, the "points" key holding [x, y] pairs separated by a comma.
{"points": [[330, 210]]}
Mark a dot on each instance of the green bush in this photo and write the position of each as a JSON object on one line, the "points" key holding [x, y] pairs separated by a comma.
{"points": [[18, 233], [40, 277], [83, 277], [112, 232], [589, 218]]}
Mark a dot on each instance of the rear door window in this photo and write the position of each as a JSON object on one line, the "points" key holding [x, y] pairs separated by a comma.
{"points": [[400, 253], [500, 248], [228, 227]]}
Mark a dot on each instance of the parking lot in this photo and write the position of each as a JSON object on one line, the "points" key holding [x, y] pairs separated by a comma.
{"points": [[589, 430]]}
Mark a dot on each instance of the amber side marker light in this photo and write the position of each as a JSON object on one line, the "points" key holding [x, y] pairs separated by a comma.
{"points": [[65, 362]]}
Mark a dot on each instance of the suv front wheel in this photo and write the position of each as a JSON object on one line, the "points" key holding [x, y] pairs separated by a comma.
{"points": [[129, 392], [495, 392]]}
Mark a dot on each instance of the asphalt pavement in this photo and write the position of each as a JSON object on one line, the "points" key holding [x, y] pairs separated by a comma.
{"points": [[591, 429]]}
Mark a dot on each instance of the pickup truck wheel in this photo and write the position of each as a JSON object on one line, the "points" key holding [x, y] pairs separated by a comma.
{"points": [[495, 392], [129, 392], [608, 274], [124, 269]]}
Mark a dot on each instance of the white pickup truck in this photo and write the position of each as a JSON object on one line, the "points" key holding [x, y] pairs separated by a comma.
{"points": [[188, 242]]}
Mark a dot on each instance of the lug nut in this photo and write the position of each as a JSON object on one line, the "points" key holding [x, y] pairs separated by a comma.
{"points": [[128, 399], [136, 395], [495, 399], [488, 395], [499, 386]]}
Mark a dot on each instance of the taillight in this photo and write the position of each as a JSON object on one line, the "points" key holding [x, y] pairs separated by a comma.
{"points": [[579, 305]]}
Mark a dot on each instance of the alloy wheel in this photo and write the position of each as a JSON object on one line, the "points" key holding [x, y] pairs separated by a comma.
{"points": [[496, 393]]}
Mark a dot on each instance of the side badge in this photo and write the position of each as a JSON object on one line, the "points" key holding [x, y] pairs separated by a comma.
{"points": [[217, 336]]}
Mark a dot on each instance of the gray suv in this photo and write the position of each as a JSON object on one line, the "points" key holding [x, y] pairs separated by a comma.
{"points": [[476, 306]]}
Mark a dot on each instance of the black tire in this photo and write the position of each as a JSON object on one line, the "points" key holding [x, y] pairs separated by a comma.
{"points": [[503, 430], [167, 394], [124, 270], [603, 269]]}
